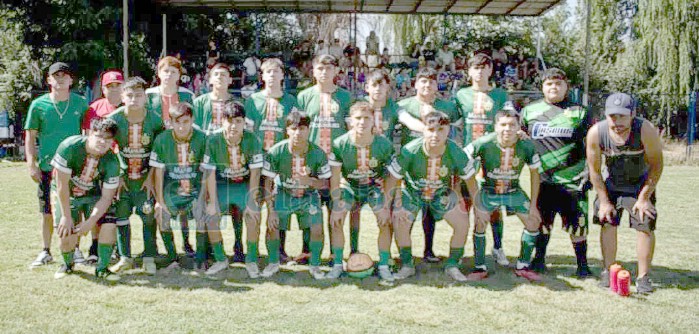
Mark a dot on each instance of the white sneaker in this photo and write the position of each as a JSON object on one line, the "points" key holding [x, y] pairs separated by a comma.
{"points": [[404, 273], [217, 267], [149, 266], [253, 270], [335, 272], [125, 263], [386, 274], [78, 256], [270, 270], [92, 259], [455, 274], [316, 273], [500, 258], [42, 259]]}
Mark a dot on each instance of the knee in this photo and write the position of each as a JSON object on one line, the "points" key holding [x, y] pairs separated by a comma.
{"points": [[316, 232]]}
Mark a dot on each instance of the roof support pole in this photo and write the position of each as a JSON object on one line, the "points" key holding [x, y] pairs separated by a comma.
{"points": [[164, 52], [125, 36], [258, 27], [586, 82]]}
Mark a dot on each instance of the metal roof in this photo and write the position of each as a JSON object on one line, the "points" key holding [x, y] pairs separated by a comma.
{"points": [[457, 7]]}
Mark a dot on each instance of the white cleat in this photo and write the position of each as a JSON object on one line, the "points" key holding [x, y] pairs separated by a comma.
{"points": [[386, 274], [335, 272], [404, 273], [316, 273], [43, 258], [455, 274], [217, 267], [270, 270], [125, 263], [500, 257], [78, 256], [252, 269], [149, 266]]}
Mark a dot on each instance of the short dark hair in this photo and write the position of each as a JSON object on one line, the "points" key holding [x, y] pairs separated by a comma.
{"points": [[104, 124], [378, 75], [554, 73], [325, 59], [134, 83], [426, 72], [436, 118], [233, 109], [180, 110], [506, 113], [297, 119], [480, 59]]}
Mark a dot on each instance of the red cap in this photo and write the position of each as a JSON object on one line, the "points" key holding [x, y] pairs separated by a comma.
{"points": [[111, 77]]}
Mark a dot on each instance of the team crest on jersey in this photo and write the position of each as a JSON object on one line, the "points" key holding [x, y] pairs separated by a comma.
{"points": [[373, 163], [334, 107], [444, 171], [313, 210], [444, 201], [385, 125], [190, 157], [145, 139], [488, 104], [515, 162]]}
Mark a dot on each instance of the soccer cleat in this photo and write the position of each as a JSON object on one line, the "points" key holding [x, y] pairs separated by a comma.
{"points": [[335, 272], [92, 259], [217, 267], [316, 273], [644, 285], [500, 258], [538, 265], [107, 275], [283, 258], [386, 274], [171, 267], [42, 259], [78, 256], [429, 257], [189, 250], [528, 274], [63, 271], [238, 257], [477, 275], [455, 274], [604, 279], [404, 273], [270, 270], [252, 269], [583, 272], [149, 266], [302, 258], [124, 264]]}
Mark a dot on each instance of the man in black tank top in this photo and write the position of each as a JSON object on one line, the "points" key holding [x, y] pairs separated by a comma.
{"points": [[634, 162]]}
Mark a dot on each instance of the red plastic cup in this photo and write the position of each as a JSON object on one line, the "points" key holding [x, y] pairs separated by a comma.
{"points": [[624, 283], [613, 274]]}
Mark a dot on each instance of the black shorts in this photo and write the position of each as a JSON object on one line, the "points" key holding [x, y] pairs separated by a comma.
{"points": [[626, 202], [44, 193], [571, 205]]}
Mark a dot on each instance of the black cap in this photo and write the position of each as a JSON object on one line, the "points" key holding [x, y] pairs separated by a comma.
{"points": [[59, 67]]}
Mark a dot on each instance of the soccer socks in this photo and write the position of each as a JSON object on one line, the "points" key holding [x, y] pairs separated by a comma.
{"points": [[528, 243], [251, 256], [105, 254], [497, 227], [169, 241], [479, 250], [150, 247], [542, 242], [428, 225], [316, 248], [201, 247], [124, 240], [406, 256], [455, 255], [93, 247], [384, 257], [581, 253], [238, 230], [68, 258], [282, 244], [354, 239], [219, 254], [272, 250], [338, 253], [306, 240]]}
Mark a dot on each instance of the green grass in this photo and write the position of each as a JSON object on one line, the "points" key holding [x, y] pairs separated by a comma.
{"points": [[32, 301]]}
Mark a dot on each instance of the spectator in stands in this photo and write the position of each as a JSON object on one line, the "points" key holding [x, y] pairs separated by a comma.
{"points": [[321, 49], [335, 49], [430, 54], [212, 55], [414, 55], [385, 58], [252, 67], [445, 58]]}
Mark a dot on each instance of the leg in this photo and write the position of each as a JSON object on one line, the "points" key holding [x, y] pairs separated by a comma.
{"points": [[337, 241], [645, 247], [479, 242], [237, 218], [428, 225], [184, 226], [106, 246], [458, 220], [354, 228], [609, 242], [253, 238]]}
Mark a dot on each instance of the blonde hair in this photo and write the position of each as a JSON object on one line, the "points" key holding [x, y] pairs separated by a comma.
{"points": [[170, 61], [270, 63]]}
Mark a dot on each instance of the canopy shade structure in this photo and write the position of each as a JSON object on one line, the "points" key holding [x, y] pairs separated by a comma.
{"points": [[452, 7]]}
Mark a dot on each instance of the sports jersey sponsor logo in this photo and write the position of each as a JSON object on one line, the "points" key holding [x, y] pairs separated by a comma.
{"points": [[83, 183], [542, 130]]}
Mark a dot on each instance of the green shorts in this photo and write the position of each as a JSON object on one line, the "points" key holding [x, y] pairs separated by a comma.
{"points": [[232, 195], [307, 209], [79, 207], [181, 204], [439, 205], [362, 195], [515, 201], [128, 200]]}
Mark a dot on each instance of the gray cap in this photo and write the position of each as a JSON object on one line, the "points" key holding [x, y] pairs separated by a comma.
{"points": [[59, 67], [619, 104]]}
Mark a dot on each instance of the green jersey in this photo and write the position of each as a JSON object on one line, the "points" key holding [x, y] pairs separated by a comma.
{"points": [[361, 166], [232, 164], [268, 116], [558, 131], [54, 123], [429, 177], [478, 111], [502, 165], [280, 162], [413, 107], [328, 113], [208, 113], [88, 173], [135, 142], [161, 104], [386, 119], [180, 161]]}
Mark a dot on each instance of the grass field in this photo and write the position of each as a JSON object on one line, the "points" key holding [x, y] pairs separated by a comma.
{"points": [[33, 302]]}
